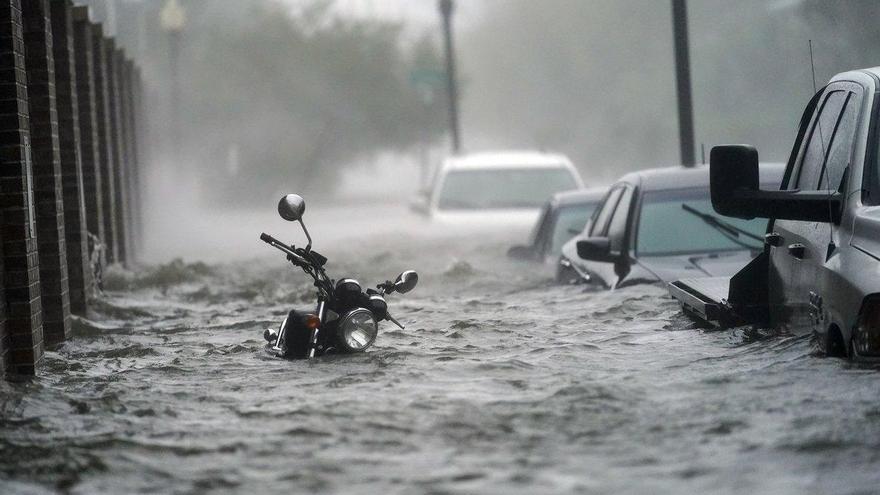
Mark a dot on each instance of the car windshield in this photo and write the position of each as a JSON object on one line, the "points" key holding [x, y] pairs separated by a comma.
{"points": [[666, 228], [570, 221], [503, 188]]}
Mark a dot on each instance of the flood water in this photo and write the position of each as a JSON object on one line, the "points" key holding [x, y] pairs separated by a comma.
{"points": [[500, 383]]}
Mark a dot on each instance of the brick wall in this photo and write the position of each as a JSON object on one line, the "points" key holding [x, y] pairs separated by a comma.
{"points": [[132, 154], [78, 273], [105, 142], [70, 128], [141, 136], [118, 144], [88, 121], [47, 185], [21, 340]]}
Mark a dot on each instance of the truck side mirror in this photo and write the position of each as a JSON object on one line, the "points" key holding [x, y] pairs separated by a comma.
{"points": [[736, 191], [596, 249], [733, 171]]}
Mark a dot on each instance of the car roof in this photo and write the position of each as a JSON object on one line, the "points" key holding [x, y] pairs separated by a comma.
{"points": [[873, 71], [506, 159], [658, 179], [579, 196]]}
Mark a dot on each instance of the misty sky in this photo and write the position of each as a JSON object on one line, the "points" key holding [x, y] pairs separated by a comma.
{"points": [[593, 79], [415, 13]]}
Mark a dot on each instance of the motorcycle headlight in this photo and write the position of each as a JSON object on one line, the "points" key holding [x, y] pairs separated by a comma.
{"points": [[357, 330]]}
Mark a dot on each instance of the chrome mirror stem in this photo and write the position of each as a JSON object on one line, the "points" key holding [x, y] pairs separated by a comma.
{"points": [[309, 246]]}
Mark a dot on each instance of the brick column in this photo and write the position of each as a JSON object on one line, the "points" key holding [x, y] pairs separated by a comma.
{"points": [[128, 123], [88, 121], [141, 129], [105, 142], [4, 335], [48, 192], [118, 143], [22, 340], [78, 272]]}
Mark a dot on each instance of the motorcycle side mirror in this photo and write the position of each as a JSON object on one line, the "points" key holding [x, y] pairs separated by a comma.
{"points": [[292, 207], [406, 281]]}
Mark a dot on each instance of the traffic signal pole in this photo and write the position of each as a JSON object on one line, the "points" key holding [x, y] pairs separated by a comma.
{"points": [[683, 83], [446, 9]]}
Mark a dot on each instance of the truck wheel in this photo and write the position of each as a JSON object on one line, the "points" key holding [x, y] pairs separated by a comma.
{"points": [[834, 344]]}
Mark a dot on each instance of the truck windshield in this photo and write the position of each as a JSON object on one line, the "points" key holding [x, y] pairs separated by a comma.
{"points": [[666, 229], [503, 188]]}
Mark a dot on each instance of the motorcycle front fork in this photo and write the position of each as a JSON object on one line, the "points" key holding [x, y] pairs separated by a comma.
{"points": [[320, 310], [280, 341]]}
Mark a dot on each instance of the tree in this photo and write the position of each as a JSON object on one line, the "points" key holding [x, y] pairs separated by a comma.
{"points": [[273, 100]]}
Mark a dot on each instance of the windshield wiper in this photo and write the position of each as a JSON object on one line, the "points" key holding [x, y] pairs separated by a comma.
{"points": [[728, 230]]}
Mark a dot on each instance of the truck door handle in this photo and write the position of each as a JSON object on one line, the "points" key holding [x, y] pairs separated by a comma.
{"points": [[773, 239], [797, 250]]}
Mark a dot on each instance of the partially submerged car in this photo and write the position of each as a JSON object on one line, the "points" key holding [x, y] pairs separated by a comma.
{"points": [[656, 226], [562, 217], [819, 270], [501, 189]]}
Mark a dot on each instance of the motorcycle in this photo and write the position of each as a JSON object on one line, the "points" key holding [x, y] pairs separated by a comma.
{"points": [[346, 318]]}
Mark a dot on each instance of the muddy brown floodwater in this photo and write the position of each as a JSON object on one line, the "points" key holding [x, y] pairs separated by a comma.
{"points": [[501, 383]]}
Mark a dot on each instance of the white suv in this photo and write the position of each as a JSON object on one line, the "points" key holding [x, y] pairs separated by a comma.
{"points": [[503, 189]]}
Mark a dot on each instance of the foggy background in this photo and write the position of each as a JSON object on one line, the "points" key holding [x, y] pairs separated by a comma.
{"points": [[345, 99]]}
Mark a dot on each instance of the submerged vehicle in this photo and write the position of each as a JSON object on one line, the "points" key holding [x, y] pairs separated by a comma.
{"points": [[502, 189], [818, 270], [346, 319], [655, 226], [562, 218]]}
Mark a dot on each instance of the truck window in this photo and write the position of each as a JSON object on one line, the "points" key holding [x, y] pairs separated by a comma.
{"points": [[841, 144], [600, 223], [569, 219], [617, 227], [820, 138]]}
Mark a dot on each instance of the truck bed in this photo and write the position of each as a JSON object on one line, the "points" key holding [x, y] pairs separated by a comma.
{"points": [[705, 299], [727, 301]]}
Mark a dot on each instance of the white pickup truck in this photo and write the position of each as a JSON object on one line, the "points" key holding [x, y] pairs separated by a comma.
{"points": [[819, 272]]}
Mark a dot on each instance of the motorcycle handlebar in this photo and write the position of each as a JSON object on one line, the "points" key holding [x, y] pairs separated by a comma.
{"points": [[291, 255]]}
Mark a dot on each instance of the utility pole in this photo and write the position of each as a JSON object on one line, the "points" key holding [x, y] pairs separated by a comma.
{"points": [[683, 82], [446, 9]]}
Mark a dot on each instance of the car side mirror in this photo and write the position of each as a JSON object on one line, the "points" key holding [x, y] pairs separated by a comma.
{"points": [[419, 204], [523, 253], [596, 249], [735, 191]]}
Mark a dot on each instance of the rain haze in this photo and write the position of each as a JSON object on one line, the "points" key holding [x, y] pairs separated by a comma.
{"points": [[538, 352]]}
